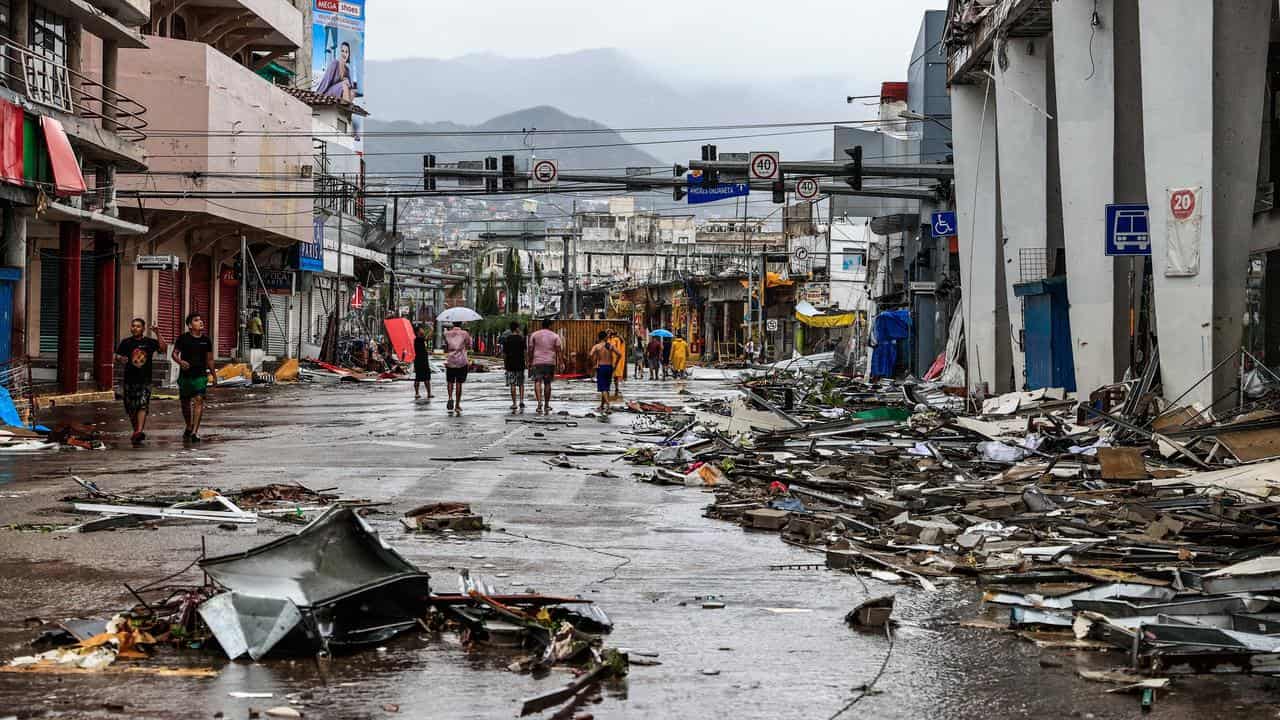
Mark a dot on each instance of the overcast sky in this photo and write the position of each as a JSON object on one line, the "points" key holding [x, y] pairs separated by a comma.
{"points": [[700, 37]]}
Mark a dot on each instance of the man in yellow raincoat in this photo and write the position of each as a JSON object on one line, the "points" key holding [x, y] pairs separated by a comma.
{"points": [[619, 368], [679, 356]]}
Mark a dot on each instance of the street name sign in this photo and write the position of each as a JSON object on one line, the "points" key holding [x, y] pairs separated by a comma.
{"points": [[699, 194], [157, 262]]}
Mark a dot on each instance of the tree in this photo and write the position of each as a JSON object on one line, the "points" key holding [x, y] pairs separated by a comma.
{"points": [[516, 287], [489, 299]]}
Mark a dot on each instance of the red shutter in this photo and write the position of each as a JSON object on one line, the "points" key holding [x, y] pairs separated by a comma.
{"points": [[228, 319], [202, 287], [169, 306]]}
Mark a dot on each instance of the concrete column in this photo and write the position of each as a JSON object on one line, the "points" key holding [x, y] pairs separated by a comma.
{"points": [[1203, 66], [973, 113], [1084, 73], [1022, 132], [15, 255], [104, 305], [69, 245], [110, 72]]}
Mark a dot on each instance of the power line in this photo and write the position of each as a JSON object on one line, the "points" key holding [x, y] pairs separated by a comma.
{"points": [[511, 131]]}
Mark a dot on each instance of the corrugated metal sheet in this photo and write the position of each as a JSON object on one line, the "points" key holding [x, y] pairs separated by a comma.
{"points": [[580, 335]]}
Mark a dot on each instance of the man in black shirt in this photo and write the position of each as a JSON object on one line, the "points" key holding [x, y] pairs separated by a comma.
{"points": [[193, 351], [513, 351], [135, 353]]}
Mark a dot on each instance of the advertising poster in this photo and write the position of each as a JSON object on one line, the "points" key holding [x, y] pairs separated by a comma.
{"points": [[337, 51]]}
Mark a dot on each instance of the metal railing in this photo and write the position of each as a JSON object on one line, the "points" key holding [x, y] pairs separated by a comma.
{"points": [[52, 84]]}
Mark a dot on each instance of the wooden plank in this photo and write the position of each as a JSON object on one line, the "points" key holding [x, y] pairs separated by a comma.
{"points": [[1122, 464], [1251, 445]]}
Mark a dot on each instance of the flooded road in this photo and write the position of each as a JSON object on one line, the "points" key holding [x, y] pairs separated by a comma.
{"points": [[778, 649]]}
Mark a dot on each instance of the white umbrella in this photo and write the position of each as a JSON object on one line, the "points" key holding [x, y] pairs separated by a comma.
{"points": [[459, 314]]}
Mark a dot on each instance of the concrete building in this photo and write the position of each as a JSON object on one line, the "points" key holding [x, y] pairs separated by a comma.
{"points": [[69, 129], [1063, 108], [204, 74]]}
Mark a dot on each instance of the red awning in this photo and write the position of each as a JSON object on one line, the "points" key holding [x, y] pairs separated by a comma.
{"points": [[66, 169], [10, 142], [400, 332]]}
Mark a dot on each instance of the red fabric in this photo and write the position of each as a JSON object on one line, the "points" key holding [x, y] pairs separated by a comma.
{"points": [[67, 179], [400, 332], [935, 370], [10, 142]]}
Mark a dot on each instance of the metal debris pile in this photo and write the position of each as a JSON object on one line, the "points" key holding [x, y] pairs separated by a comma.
{"points": [[1119, 523]]}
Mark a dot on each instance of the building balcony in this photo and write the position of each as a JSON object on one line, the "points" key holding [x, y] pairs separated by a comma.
{"points": [[217, 127], [973, 28], [101, 121]]}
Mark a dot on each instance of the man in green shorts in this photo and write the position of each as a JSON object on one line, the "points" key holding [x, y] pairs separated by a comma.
{"points": [[193, 352]]}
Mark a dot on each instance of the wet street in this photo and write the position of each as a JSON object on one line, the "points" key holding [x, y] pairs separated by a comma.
{"points": [[778, 649]]}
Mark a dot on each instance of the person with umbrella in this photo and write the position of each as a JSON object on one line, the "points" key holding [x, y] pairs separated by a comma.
{"points": [[457, 345]]}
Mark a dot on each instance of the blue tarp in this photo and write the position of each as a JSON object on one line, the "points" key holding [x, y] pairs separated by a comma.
{"points": [[8, 413], [890, 327]]}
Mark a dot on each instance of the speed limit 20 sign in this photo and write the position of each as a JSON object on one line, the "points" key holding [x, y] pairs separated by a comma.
{"points": [[545, 173], [764, 166], [807, 188]]}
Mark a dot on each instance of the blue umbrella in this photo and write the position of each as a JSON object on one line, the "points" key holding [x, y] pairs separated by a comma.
{"points": [[662, 333]]}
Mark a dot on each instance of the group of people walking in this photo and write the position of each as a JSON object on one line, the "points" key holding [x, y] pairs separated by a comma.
{"points": [[192, 351], [663, 357]]}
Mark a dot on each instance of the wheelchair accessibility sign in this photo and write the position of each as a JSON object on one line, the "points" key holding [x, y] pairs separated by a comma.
{"points": [[1128, 229], [944, 224]]}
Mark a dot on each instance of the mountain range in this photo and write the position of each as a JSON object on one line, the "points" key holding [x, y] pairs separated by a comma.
{"points": [[397, 147], [611, 88]]}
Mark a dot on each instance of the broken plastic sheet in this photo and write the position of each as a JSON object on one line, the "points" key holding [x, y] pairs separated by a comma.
{"points": [[1009, 452], [953, 372]]}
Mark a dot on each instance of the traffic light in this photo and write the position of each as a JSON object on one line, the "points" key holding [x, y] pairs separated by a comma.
{"points": [[678, 190], [710, 178], [780, 192], [428, 164], [508, 173], [855, 176], [490, 182]]}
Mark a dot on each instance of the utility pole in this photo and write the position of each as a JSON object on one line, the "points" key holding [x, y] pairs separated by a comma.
{"points": [[577, 233], [395, 234]]}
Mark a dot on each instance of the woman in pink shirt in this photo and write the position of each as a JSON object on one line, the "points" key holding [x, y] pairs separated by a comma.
{"points": [[456, 344]]}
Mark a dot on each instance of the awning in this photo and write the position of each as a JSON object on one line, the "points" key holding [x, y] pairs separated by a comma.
{"points": [[67, 179], [775, 280], [11, 143], [827, 321]]}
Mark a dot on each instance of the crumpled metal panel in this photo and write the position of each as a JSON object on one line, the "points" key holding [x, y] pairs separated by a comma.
{"points": [[333, 556], [246, 624]]}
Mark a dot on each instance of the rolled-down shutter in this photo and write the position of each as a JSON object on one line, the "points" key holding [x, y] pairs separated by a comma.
{"points": [[169, 304], [51, 303], [228, 320], [277, 322], [202, 287]]}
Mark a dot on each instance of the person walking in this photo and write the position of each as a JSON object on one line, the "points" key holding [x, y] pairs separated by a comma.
{"points": [[135, 353], [637, 355], [620, 364], [666, 357], [679, 356], [543, 355], [457, 343], [513, 362], [255, 331], [193, 352], [604, 357], [653, 356], [421, 363]]}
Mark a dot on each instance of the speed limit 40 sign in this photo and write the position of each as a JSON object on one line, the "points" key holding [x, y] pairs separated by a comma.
{"points": [[764, 166], [807, 188]]}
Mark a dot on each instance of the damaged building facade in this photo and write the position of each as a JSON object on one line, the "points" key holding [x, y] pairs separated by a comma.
{"points": [[1120, 155]]}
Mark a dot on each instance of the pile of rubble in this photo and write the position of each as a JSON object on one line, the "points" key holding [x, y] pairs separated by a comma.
{"points": [[1117, 523]]}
